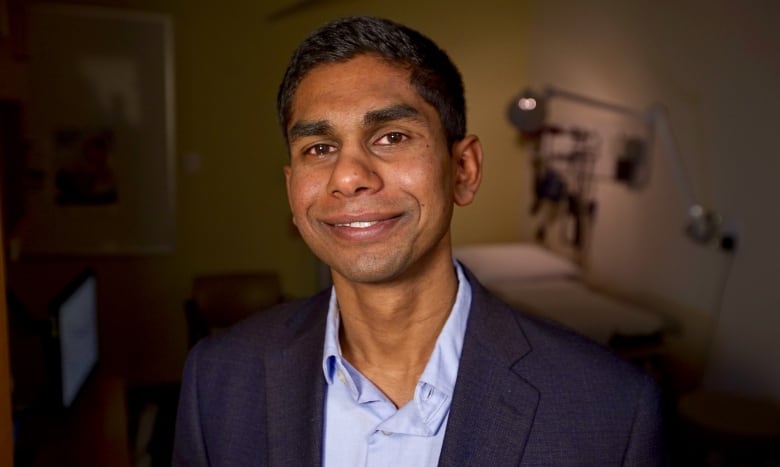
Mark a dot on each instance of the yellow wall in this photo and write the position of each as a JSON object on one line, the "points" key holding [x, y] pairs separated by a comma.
{"points": [[232, 214]]}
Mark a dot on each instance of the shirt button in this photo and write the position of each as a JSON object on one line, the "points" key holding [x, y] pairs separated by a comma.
{"points": [[386, 433], [340, 376]]}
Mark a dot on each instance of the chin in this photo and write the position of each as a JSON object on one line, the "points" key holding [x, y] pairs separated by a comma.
{"points": [[370, 269]]}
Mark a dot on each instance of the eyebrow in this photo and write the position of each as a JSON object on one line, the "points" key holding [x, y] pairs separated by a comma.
{"points": [[304, 128], [390, 114]]}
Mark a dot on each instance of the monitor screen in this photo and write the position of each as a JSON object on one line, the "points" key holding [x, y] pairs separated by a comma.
{"points": [[75, 329]]}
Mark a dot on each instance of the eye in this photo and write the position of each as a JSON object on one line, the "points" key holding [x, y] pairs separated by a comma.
{"points": [[394, 137], [320, 149]]}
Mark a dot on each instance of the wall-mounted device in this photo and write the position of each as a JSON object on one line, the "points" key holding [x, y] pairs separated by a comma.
{"points": [[528, 113]]}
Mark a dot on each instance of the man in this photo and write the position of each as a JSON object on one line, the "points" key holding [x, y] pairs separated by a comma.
{"points": [[407, 360]]}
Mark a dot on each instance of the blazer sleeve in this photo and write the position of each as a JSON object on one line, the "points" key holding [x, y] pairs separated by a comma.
{"points": [[646, 445], [189, 448]]}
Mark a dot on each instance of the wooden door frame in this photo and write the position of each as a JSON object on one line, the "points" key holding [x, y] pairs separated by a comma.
{"points": [[6, 430]]}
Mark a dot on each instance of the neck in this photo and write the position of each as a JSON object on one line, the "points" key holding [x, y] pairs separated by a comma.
{"points": [[388, 331]]}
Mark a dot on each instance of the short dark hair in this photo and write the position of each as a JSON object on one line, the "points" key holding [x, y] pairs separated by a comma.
{"points": [[433, 75]]}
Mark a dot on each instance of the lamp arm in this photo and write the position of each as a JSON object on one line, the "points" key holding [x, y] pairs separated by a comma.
{"points": [[551, 91], [663, 130]]}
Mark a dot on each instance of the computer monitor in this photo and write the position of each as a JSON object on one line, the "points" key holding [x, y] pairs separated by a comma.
{"points": [[74, 338]]}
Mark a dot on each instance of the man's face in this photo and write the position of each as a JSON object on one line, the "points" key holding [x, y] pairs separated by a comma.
{"points": [[370, 181]]}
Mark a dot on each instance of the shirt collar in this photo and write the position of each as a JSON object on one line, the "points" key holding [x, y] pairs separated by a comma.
{"points": [[332, 351]]}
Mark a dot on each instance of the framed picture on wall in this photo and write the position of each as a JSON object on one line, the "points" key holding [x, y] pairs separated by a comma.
{"points": [[100, 168]]}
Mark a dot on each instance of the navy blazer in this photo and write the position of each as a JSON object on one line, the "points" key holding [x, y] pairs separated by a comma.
{"points": [[527, 393]]}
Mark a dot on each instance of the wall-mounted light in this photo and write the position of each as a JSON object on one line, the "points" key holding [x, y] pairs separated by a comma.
{"points": [[528, 113]]}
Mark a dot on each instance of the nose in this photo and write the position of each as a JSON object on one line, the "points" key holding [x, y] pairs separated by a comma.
{"points": [[354, 173]]}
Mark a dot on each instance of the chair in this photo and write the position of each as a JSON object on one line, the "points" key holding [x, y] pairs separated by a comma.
{"points": [[220, 300]]}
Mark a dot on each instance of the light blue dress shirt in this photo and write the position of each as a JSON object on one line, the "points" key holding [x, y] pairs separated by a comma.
{"points": [[364, 428]]}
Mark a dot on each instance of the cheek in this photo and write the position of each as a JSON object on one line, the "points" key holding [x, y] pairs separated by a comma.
{"points": [[430, 181], [302, 192], [423, 170]]}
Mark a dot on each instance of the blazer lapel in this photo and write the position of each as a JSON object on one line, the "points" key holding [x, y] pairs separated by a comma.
{"points": [[493, 406], [295, 388]]}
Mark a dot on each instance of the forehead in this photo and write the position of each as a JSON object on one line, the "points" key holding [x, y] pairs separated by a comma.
{"points": [[360, 63], [357, 81]]}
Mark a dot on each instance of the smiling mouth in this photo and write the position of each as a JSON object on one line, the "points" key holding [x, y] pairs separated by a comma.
{"points": [[362, 231], [358, 225]]}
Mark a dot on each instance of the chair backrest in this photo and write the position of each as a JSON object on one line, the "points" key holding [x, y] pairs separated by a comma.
{"points": [[220, 300]]}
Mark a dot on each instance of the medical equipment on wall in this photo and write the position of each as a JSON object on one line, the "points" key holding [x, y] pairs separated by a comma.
{"points": [[528, 113]]}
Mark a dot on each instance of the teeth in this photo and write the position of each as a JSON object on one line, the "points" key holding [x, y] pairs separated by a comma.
{"points": [[358, 225]]}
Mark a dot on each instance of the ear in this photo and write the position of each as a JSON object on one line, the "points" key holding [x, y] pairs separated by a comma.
{"points": [[467, 168]]}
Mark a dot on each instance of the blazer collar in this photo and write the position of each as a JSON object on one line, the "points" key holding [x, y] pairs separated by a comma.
{"points": [[493, 407]]}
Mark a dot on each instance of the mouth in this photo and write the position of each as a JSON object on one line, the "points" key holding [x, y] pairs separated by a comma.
{"points": [[366, 229], [357, 224]]}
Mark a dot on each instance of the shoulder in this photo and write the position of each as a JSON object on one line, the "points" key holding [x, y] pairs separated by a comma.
{"points": [[225, 391], [265, 330], [609, 409], [230, 366], [560, 353], [548, 354]]}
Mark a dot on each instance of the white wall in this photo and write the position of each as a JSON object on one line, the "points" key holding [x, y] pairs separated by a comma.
{"points": [[715, 66]]}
